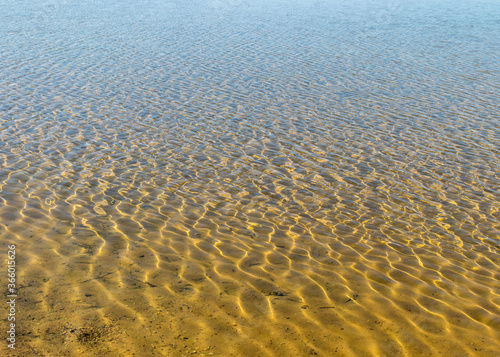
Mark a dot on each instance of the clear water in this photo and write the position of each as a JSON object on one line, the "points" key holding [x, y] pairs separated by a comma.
{"points": [[252, 178]]}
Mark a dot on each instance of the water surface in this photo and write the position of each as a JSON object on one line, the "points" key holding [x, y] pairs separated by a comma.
{"points": [[250, 178]]}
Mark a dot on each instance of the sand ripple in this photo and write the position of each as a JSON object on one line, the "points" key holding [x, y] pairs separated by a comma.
{"points": [[252, 180]]}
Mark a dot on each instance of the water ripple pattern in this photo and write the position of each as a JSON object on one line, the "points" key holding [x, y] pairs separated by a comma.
{"points": [[250, 178]]}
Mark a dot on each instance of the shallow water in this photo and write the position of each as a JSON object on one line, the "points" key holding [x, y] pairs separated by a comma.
{"points": [[239, 178]]}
